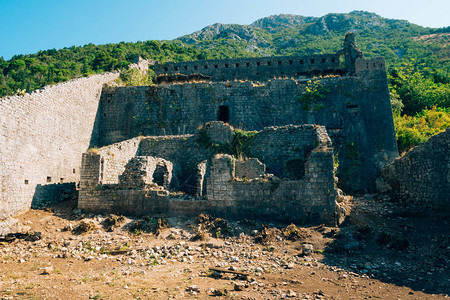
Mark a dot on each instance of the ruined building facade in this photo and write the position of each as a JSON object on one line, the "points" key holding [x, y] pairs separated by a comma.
{"points": [[153, 158], [255, 93]]}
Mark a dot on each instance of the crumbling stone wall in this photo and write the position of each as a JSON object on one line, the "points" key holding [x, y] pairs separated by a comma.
{"points": [[257, 68], [42, 137], [353, 104], [114, 159], [421, 178], [356, 112], [221, 184]]}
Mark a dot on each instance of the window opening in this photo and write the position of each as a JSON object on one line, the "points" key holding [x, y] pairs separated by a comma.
{"points": [[158, 175], [224, 113]]}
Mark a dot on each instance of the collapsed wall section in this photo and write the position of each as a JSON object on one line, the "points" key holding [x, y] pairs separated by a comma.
{"points": [[421, 178], [42, 137], [220, 184]]}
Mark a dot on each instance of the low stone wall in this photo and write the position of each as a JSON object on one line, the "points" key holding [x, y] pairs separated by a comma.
{"points": [[42, 137], [220, 184], [422, 176]]}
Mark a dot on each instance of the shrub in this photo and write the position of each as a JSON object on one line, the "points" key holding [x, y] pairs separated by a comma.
{"points": [[412, 131]]}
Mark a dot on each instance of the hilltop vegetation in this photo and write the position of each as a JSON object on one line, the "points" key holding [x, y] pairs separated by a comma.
{"points": [[418, 58]]}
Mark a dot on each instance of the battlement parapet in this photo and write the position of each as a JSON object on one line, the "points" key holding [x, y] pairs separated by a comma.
{"points": [[256, 68], [363, 65]]}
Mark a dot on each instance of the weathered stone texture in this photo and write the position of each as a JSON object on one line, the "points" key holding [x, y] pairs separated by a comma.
{"points": [[42, 137], [250, 168], [302, 189], [356, 112], [422, 176], [258, 68]]}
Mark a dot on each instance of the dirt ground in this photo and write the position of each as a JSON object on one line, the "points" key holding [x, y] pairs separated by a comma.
{"points": [[381, 251]]}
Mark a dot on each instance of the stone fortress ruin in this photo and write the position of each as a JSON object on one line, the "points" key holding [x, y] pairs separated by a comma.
{"points": [[154, 159], [267, 138]]}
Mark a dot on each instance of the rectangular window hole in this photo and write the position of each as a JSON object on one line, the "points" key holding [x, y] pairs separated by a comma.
{"points": [[323, 60], [224, 113], [280, 63], [61, 180], [352, 106], [185, 67], [195, 67], [216, 66], [73, 171], [333, 59], [26, 181], [205, 67], [301, 61], [312, 61], [290, 62], [176, 68], [49, 179], [226, 65], [269, 63], [258, 64], [247, 64]]}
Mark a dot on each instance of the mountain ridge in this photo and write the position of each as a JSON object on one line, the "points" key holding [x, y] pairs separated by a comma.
{"points": [[277, 35]]}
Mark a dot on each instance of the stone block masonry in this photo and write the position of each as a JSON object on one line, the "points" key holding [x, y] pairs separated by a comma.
{"points": [[355, 109], [258, 69], [297, 185], [42, 137], [253, 93], [421, 177]]}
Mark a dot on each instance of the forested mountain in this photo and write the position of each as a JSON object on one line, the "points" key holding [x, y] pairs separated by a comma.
{"points": [[396, 40], [418, 58]]}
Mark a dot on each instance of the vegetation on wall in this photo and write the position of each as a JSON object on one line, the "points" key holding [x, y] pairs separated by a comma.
{"points": [[135, 77], [238, 147], [314, 92]]}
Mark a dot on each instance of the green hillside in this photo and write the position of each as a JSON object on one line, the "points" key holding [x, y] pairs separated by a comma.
{"points": [[418, 58]]}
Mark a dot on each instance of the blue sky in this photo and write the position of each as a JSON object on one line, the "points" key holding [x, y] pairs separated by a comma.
{"points": [[27, 26]]}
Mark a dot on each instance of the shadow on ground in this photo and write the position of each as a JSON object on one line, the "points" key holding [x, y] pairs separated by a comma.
{"points": [[380, 239], [393, 244]]}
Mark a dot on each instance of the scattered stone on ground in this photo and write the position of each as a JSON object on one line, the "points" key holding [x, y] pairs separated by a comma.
{"points": [[381, 251]]}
